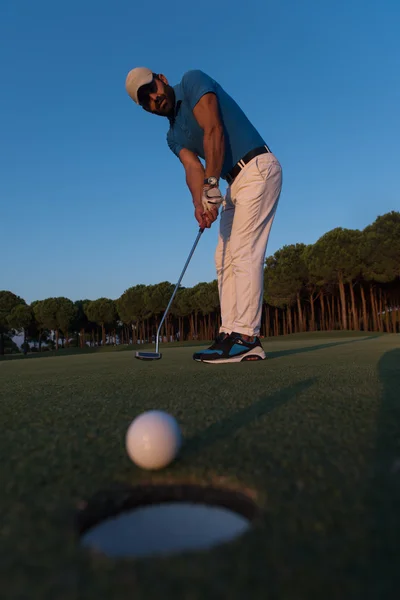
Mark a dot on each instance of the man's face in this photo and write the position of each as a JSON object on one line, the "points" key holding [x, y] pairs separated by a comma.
{"points": [[157, 97]]}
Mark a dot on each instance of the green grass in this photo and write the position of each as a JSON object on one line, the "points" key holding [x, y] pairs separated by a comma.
{"points": [[313, 434]]}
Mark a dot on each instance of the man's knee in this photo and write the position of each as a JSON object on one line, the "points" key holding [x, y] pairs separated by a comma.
{"points": [[247, 257]]}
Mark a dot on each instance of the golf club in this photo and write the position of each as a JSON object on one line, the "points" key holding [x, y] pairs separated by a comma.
{"points": [[157, 355]]}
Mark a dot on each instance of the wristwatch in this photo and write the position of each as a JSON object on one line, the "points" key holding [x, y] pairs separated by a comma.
{"points": [[213, 181]]}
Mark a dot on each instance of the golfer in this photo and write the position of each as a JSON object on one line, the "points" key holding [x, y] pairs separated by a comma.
{"points": [[205, 122]]}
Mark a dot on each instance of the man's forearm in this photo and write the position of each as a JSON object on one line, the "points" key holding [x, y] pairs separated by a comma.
{"points": [[195, 181], [214, 151]]}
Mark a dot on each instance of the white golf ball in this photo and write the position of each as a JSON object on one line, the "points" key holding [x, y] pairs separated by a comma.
{"points": [[153, 440]]}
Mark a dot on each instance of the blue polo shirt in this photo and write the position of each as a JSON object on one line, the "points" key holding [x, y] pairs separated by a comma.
{"points": [[184, 132]]}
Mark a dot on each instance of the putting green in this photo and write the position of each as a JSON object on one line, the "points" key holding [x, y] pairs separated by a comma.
{"points": [[312, 434]]}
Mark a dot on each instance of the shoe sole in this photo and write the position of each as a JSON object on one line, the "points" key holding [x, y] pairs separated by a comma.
{"points": [[253, 355]]}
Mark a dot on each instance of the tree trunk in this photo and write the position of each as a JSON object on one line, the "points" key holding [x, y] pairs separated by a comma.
{"points": [[329, 324], [331, 312], [57, 335], [339, 312], [165, 328], [299, 310], [267, 330], [191, 327], [394, 320], [312, 321], [356, 324], [342, 296], [380, 319], [289, 320], [373, 307], [156, 327], [364, 309], [322, 303], [284, 322], [387, 317]]}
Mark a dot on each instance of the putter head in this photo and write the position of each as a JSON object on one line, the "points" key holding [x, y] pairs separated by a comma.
{"points": [[148, 355]]}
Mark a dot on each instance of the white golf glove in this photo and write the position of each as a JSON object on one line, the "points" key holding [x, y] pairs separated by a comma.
{"points": [[211, 198]]}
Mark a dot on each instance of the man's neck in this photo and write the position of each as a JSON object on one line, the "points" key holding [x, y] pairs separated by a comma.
{"points": [[172, 115]]}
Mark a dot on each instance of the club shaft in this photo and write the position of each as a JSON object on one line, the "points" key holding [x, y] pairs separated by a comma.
{"points": [[176, 287]]}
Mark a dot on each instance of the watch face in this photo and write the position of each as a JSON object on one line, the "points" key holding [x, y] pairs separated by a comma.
{"points": [[212, 180]]}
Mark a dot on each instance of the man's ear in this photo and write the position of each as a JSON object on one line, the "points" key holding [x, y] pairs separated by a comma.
{"points": [[163, 78]]}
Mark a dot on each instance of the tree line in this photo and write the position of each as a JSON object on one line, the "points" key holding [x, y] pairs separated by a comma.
{"points": [[349, 279]]}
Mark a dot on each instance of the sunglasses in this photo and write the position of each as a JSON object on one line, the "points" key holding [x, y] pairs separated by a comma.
{"points": [[145, 91]]}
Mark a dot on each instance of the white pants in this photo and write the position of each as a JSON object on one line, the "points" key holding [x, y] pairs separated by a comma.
{"points": [[247, 215]]}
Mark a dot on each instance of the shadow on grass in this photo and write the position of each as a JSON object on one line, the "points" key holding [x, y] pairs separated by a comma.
{"points": [[230, 425], [281, 353], [383, 490]]}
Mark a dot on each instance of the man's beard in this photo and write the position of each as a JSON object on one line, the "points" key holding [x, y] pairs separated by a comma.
{"points": [[166, 105]]}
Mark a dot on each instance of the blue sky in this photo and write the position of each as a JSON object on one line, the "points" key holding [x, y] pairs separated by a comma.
{"points": [[92, 201]]}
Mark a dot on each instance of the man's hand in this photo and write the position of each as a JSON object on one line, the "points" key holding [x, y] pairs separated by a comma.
{"points": [[205, 218], [207, 212], [211, 198], [206, 199]]}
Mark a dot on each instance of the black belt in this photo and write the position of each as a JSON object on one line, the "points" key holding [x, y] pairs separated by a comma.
{"points": [[234, 172]]}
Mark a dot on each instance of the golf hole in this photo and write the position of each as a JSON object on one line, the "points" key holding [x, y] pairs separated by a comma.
{"points": [[163, 520]]}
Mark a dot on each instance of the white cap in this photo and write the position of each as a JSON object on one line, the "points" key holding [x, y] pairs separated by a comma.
{"points": [[135, 79]]}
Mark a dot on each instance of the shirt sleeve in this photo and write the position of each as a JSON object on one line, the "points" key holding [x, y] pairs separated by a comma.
{"points": [[173, 145], [195, 84]]}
